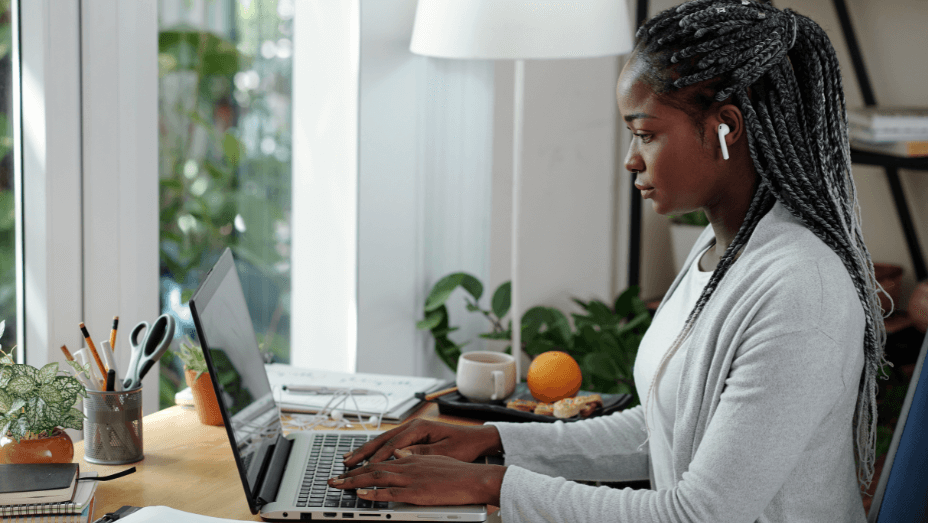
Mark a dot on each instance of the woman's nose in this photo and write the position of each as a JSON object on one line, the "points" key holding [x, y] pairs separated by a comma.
{"points": [[633, 161]]}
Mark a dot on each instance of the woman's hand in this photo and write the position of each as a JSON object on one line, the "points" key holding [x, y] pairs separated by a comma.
{"points": [[426, 480], [423, 437]]}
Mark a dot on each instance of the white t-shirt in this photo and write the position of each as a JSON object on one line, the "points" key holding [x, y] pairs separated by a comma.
{"points": [[660, 408]]}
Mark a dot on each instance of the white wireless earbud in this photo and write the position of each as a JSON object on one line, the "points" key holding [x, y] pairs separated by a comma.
{"points": [[723, 130]]}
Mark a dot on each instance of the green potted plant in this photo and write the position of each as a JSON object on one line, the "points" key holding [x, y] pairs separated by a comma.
{"points": [[35, 406], [197, 376], [684, 231], [604, 338]]}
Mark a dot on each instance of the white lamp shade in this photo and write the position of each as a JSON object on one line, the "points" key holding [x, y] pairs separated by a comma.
{"points": [[521, 29]]}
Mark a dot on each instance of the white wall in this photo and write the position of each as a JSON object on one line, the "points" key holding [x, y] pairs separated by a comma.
{"points": [[893, 38], [569, 175]]}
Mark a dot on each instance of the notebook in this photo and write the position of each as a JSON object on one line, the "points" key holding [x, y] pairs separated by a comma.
{"points": [[77, 510], [284, 477], [30, 483]]}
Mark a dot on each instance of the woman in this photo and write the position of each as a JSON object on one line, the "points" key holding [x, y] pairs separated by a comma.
{"points": [[758, 372]]}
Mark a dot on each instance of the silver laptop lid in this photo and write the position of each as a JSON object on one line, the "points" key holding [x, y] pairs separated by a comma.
{"points": [[224, 327]]}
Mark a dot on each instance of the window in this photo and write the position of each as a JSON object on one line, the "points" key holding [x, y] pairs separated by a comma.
{"points": [[8, 181], [225, 84]]}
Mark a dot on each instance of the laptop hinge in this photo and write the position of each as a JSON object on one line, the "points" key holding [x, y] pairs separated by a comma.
{"points": [[272, 475]]}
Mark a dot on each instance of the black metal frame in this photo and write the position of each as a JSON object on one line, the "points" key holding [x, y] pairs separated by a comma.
{"points": [[890, 164]]}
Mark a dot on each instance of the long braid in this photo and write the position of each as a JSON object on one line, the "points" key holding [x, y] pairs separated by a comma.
{"points": [[781, 70]]}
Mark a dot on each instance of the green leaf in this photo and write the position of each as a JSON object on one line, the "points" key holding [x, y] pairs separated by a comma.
{"points": [[232, 148], [21, 385], [432, 319], [502, 299], [19, 428], [624, 302], [6, 401], [505, 335], [444, 332], [600, 365], [6, 374], [15, 407], [50, 394], [73, 419], [2, 327], [442, 290], [186, 294], [48, 373]]}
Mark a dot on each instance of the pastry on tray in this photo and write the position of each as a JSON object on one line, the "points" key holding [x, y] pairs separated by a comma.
{"points": [[578, 405], [523, 405]]}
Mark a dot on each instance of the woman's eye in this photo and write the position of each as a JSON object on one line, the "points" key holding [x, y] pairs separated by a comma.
{"points": [[644, 137]]}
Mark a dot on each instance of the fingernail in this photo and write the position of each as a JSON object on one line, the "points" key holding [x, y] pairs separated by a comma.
{"points": [[347, 454], [403, 453], [363, 491], [336, 481]]}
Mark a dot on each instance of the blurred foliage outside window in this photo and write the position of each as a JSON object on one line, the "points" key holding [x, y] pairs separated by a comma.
{"points": [[224, 104], [7, 181]]}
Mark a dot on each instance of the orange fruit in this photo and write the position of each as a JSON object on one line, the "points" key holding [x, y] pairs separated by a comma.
{"points": [[553, 375]]}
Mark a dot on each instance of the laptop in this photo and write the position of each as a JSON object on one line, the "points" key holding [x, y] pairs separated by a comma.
{"points": [[284, 476]]}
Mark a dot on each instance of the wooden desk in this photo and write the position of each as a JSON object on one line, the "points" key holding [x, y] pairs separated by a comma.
{"points": [[189, 466]]}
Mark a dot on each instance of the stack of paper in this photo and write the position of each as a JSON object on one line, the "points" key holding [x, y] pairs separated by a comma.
{"points": [[400, 391], [898, 131]]}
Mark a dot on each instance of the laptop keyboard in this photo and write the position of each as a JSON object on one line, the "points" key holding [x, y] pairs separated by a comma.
{"points": [[325, 461]]}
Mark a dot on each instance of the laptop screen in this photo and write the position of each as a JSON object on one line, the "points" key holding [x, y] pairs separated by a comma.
{"points": [[227, 336]]}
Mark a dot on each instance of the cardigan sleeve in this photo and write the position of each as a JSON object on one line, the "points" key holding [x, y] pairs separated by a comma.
{"points": [[607, 448], [777, 393]]}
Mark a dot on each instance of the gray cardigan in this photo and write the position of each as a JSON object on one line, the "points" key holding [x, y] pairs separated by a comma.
{"points": [[764, 408]]}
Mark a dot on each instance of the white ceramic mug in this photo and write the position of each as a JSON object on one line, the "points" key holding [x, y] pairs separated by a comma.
{"points": [[486, 376]]}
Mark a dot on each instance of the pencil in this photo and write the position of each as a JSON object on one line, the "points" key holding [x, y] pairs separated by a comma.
{"points": [[113, 333], [93, 350], [430, 397], [67, 353]]}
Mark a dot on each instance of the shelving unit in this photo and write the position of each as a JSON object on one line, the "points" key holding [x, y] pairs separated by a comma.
{"points": [[890, 164]]}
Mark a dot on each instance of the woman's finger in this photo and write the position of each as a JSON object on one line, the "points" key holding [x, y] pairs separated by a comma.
{"points": [[399, 441], [364, 451], [370, 478], [382, 494]]}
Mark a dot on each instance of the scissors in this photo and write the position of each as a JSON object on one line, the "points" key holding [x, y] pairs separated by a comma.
{"points": [[157, 339]]}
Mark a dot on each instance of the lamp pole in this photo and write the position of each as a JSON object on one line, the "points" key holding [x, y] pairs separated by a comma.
{"points": [[518, 111]]}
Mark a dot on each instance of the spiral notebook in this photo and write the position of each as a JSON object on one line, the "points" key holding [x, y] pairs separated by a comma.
{"points": [[78, 510]]}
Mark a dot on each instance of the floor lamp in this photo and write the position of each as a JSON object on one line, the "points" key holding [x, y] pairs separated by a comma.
{"points": [[520, 30]]}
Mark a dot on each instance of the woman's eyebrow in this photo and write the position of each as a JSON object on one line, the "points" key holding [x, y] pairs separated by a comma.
{"points": [[637, 116]]}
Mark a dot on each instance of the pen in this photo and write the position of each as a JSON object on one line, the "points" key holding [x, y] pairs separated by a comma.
{"points": [[110, 380], [113, 332], [430, 397], [93, 349], [310, 389]]}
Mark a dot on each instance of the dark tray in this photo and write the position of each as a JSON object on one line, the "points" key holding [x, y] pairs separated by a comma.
{"points": [[454, 404]]}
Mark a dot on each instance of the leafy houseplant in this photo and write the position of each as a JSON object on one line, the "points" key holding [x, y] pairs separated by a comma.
{"points": [[35, 404], [604, 339], [198, 379]]}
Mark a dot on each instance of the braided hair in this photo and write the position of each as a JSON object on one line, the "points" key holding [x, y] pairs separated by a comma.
{"points": [[780, 69]]}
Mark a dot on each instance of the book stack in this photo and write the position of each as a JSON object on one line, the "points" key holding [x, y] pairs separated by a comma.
{"points": [[46, 493], [896, 131]]}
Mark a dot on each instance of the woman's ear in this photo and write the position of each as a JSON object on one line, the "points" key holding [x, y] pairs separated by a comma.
{"points": [[731, 116]]}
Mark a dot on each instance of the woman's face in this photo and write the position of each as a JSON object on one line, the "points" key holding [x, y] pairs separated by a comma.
{"points": [[677, 168]]}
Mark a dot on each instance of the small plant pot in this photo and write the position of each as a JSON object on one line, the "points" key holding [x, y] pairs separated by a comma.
{"points": [[204, 397], [57, 448]]}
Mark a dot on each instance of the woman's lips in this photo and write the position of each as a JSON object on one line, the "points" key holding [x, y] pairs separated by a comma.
{"points": [[646, 190]]}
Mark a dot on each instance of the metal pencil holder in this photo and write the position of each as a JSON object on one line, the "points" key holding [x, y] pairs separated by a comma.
{"points": [[113, 427]]}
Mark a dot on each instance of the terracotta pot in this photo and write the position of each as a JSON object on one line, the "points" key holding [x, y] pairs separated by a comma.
{"points": [[204, 397], [57, 448], [918, 306], [890, 277]]}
